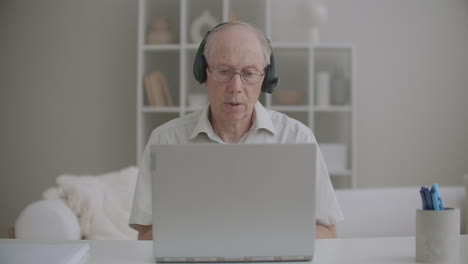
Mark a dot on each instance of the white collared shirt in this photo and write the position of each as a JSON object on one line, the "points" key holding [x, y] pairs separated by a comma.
{"points": [[268, 127]]}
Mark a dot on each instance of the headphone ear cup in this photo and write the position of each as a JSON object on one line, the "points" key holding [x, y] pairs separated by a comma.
{"points": [[266, 79], [200, 64], [273, 83], [270, 81]]}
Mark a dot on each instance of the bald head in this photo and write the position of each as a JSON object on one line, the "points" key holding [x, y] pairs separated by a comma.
{"points": [[237, 28]]}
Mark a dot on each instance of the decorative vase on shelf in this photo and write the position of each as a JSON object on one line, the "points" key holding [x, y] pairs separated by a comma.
{"points": [[314, 14], [339, 91], [159, 32], [201, 25], [323, 88]]}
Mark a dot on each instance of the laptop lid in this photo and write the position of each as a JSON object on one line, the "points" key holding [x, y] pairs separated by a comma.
{"points": [[233, 202]]}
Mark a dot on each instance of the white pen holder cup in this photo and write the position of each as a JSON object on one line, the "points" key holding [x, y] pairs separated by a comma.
{"points": [[438, 236]]}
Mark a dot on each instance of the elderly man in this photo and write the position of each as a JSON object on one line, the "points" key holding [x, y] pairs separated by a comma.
{"points": [[234, 63]]}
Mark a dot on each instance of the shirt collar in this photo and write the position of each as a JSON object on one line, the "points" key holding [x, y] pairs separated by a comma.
{"points": [[203, 125], [262, 120]]}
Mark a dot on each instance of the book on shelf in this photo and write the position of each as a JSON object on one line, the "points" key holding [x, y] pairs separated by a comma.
{"points": [[157, 90]]}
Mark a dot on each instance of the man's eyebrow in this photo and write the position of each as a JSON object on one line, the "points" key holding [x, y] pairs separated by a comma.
{"points": [[248, 67], [252, 67]]}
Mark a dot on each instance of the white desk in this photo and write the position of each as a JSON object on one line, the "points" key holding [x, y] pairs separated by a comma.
{"points": [[396, 250]]}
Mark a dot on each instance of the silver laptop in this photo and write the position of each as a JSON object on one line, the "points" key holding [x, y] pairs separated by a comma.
{"points": [[233, 202]]}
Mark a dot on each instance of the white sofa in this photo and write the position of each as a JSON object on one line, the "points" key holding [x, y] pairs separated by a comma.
{"points": [[82, 206], [368, 213]]}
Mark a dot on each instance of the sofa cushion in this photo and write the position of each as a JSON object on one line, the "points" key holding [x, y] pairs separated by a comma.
{"points": [[101, 202], [47, 220]]}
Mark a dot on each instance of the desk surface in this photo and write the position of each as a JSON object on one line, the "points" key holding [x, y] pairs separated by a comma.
{"points": [[393, 250]]}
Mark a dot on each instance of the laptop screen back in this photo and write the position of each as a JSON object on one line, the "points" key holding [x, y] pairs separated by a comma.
{"points": [[242, 202]]}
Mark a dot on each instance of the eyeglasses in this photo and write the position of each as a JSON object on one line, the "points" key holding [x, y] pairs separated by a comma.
{"points": [[226, 74]]}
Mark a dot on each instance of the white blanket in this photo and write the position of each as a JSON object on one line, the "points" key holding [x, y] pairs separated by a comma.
{"points": [[101, 202]]}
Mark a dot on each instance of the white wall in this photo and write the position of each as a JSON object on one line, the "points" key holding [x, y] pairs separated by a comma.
{"points": [[412, 84], [67, 95]]}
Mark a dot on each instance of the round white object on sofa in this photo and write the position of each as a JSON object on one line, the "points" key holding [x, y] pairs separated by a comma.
{"points": [[47, 220]]}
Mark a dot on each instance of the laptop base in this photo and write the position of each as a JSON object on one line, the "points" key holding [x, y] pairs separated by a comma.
{"points": [[232, 260]]}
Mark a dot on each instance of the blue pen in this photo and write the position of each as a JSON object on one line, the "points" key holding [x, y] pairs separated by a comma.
{"points": [[427, 193], [435, 200], [423, 199], [435, 187]]}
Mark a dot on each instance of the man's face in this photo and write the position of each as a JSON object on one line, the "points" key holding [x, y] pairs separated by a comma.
{"points": [[236, 48]]}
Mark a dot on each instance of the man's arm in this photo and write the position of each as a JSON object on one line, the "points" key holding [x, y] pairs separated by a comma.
{"points": [[322, 231], [145, 232]]}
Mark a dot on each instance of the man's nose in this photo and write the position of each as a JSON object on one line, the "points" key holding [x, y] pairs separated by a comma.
{"points": [[236, 83]]}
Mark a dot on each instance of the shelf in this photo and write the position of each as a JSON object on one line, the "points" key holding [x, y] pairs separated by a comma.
{"points": [[298, 62], [161, 47], [160, 109], [192, 46], [333, 108], [295, 108], [295, 45], [332, 45]]}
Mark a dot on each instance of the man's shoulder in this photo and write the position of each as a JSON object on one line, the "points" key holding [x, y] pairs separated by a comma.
{"points": [[289, 125], [282, 119], [180, 122], [183, 125]]}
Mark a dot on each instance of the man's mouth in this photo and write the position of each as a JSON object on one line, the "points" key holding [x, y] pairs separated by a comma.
{"points": [[234, 103]]}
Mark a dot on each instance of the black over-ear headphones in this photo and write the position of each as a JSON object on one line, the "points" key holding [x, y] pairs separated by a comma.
{"points": [[200, 65]]}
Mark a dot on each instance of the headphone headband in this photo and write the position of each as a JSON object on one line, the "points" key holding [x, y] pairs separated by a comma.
{"points": [[200, 64]]}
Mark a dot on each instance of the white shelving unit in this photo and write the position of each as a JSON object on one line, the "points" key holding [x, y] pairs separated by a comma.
{"points": [[297, 63]]}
